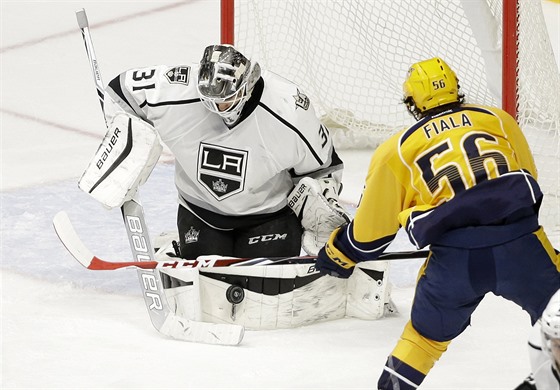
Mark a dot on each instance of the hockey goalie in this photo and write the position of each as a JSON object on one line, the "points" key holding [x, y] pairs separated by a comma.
{"points": [[256, 175]]}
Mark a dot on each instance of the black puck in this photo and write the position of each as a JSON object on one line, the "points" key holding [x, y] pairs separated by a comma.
{"points": [[235, 294]]}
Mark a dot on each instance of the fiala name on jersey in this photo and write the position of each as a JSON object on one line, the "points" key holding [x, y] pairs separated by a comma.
{"points": [[221, 170]]}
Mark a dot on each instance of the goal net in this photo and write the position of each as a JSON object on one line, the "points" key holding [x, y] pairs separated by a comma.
{"points": [[351, 58]]}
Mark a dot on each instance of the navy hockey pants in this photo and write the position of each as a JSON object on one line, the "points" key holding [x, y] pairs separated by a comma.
{"points": [[515, 261]]}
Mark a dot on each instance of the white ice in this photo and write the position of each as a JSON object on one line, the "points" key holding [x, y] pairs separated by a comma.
{"points": [[63, 327]]}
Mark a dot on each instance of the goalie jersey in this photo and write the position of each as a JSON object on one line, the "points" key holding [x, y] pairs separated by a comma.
{"points": [[245, 170], [466, 166]]}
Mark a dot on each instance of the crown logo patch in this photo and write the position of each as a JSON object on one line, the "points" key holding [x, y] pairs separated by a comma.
{"points": [[191, 235], [219, 186]]}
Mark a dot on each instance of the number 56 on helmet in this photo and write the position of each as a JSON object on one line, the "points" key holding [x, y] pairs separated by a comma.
{"points": [[430, 84]]}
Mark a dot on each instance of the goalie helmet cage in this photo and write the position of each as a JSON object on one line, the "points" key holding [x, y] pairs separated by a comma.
{"points": [[351, 57]]}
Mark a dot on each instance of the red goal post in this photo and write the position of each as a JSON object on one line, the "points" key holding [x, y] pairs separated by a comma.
{"points": [[351, 58]]}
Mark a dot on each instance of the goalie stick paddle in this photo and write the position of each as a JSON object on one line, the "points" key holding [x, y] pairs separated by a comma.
{"points": [[80, 252], [161, 316]]}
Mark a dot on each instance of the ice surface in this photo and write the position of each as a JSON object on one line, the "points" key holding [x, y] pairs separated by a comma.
{"points": [[66, 327]]}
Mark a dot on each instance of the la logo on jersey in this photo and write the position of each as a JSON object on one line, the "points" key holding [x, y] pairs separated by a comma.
{"points": [[178, 75], [221, 170]]}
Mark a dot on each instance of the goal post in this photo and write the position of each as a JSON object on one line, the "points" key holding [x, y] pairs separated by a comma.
{"points": [[227, 21], [509, 56], [351, 58]]}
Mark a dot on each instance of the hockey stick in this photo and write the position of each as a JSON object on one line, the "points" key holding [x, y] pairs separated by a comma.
{"points": [[161, 316], [77, 248], [86, 36]]}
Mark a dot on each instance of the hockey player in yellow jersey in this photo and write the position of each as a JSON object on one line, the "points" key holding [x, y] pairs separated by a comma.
{"points": [[462, 181]]}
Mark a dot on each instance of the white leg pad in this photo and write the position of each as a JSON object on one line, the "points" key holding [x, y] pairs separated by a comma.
{"points": [[277, 297], [317, 299], [184, 299], [369, 291]]}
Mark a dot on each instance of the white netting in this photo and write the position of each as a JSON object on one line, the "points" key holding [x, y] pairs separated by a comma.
{"points": [[351, 58]]}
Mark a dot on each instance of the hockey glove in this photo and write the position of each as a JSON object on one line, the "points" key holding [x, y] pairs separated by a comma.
{"points": [[331, 261], [124, 160], [315, 202]]}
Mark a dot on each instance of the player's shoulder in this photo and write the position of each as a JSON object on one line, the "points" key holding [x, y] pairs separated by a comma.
{"points": [[389, 148], [172, 74], [157, 83], [285, 98], [485, 109], [276, 81], [161, 75]]}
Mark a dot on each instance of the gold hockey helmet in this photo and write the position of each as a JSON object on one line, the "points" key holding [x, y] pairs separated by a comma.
{"points": [[429, 84]]}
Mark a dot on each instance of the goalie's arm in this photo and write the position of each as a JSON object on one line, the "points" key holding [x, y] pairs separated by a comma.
{"points": [[122, 96]]}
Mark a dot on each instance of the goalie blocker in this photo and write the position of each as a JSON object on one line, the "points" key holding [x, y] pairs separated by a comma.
{"points": [[120, 165], [275, 297]]}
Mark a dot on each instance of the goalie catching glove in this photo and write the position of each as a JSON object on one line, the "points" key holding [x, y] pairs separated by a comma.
{"points": [[315, 202], [126, 157]]}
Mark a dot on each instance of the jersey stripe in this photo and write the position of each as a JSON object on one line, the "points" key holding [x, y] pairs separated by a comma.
{"points": [[290, 126], [170, 103]]}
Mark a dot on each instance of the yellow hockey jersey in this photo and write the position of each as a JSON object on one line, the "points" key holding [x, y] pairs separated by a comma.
{"points": [[467, 166]]}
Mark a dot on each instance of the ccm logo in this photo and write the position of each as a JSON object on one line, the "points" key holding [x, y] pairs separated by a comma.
{"points": [[141, 252], [267, 237]]}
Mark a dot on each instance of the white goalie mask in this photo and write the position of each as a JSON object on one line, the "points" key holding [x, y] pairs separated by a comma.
{"points": [[550, 329], [225, 81]]}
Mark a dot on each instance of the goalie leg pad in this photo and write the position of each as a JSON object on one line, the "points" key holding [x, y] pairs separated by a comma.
{"points": [[181, 287], [274, 297], [182, 290], [369, 291]]}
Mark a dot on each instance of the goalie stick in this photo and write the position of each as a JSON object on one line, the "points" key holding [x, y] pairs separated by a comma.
{"points": [[68, 236], [161, 316]]}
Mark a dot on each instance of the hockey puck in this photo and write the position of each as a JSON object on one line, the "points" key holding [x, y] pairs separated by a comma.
{"points": [[235, 294]]}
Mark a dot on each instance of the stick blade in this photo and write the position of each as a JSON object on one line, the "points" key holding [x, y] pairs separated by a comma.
{"points": [[69, 238], [82, 18]]}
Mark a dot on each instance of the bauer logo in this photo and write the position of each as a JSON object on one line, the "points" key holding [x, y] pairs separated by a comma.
{"points": [[141, 250], [109, 144], [221, 171], [178, 75], [107, 147]]}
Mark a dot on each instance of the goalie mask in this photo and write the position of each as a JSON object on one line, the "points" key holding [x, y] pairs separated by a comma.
{"points": [[429, 84], [225, 81]]}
